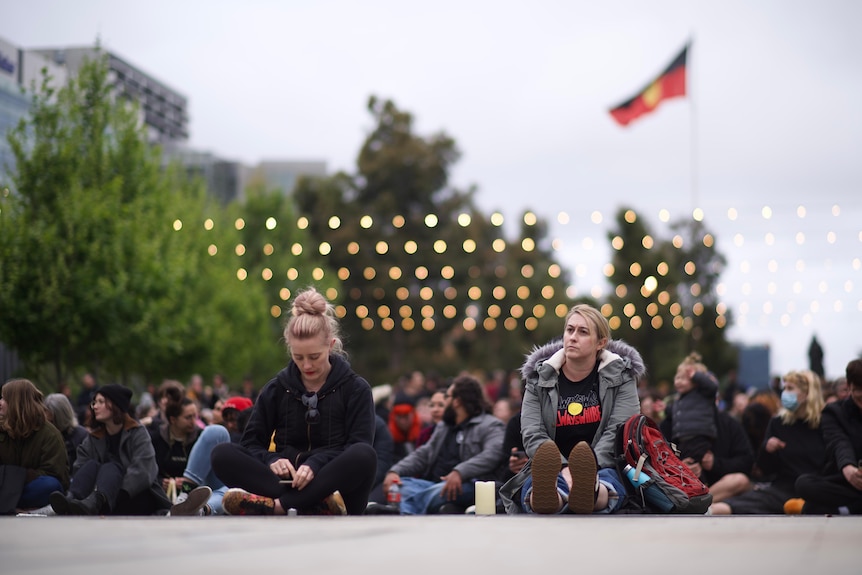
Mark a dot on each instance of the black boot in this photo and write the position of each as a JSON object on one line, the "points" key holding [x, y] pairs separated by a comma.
{"points": [[93, 504], [59, 502]]}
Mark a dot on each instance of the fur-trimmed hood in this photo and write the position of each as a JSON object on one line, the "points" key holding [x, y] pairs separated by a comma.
{"points": [[615, 346]]}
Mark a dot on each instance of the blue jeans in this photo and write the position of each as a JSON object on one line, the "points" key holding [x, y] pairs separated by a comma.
{"points": [[608, 477], [421, 497], [199, 467], [35, 493]]}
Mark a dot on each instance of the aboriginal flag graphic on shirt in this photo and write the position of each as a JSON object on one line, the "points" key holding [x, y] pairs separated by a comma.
{"points": [[579, 411], [669, 84]]}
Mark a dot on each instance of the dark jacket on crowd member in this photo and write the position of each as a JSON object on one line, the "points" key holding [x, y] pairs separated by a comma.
{"points": [[805, 452], [731, 448], [172, 455], [841, 427], [346, 416], [40, 453]]}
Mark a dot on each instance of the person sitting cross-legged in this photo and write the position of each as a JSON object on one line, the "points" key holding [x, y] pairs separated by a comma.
{"points": [[466, 447], [319, 416]]}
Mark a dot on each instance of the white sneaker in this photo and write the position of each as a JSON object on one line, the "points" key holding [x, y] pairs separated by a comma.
{"points": [[191, 503]]}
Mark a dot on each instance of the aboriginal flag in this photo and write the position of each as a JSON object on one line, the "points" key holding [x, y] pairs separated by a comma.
{"points": [[669, 84]]}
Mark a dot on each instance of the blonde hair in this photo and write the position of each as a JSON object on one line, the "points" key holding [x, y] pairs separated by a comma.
{"points": [[313, 316], [809, 382], [695, 362], [594, 317]]}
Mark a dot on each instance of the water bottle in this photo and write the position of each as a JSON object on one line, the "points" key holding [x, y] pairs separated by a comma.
{"points": [[642, 478], [393, 497]]}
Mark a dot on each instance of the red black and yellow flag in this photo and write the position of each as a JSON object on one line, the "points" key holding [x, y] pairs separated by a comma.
{"points": [[669, 84]]}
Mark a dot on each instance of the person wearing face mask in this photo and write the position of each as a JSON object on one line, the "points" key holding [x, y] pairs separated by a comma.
{"points": [[838, 491], [793, 446]]}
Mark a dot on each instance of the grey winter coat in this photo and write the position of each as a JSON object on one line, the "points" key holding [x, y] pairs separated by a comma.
{"points": [[620, 366], [137, 458], [481, 451]]}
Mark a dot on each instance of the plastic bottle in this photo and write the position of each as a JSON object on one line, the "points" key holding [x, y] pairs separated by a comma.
{"points": [[642, 478], [393, 496]]}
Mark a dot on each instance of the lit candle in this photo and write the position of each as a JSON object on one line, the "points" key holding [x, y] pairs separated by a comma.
{"points": [[485, 498]]}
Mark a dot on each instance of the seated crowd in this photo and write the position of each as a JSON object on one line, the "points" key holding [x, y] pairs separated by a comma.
{"points": [[794, 447]]}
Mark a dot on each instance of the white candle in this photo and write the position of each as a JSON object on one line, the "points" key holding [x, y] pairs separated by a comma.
{"points": [[485, 498]]}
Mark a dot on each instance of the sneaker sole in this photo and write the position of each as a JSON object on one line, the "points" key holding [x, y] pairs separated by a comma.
{"points": [[582, 466], [235, 502], [197, 498], [545, 468]]}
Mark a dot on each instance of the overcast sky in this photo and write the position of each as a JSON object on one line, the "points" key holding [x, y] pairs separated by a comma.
{"points": [[772, 119]]}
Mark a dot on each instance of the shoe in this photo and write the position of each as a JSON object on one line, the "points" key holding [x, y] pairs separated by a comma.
{"points": [[545, 468], [451, 509], [191, 503], [794, 506], [59, 503], [93, 504], [374, 508], [585, 480], [240, 502], [335, 504]]}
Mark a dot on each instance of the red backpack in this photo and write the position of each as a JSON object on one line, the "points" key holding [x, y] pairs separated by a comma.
{"points": [[659, 479]]}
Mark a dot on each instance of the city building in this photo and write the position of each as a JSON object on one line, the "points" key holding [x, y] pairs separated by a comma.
{"points": [[164, 111]]}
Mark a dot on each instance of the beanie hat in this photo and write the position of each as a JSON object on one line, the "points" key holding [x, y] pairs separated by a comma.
{"points": [[119, 395]]}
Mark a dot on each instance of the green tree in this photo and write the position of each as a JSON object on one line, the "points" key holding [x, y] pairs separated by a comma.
{"points": [[427, 281], [102, 266], [664, 298], [706, 320]]}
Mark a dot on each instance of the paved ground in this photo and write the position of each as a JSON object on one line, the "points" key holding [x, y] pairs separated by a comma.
{"points": [[447, 545]]}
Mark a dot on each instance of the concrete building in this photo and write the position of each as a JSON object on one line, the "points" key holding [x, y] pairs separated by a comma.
{"points": [[19, 70], [164, 111]]}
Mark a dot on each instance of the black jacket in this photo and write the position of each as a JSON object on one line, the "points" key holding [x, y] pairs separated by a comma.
{"points": [[804, 452], [172, 456], [731, 449], [346, 417], [841, 427]]}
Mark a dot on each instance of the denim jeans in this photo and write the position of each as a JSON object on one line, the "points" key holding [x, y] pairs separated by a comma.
{"points": [[36, 492], [199, 467], [608, 477], [421, 497]]}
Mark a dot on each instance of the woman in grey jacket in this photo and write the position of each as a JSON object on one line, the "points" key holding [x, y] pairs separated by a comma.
{"points": [[115, 472], [577, 391]]}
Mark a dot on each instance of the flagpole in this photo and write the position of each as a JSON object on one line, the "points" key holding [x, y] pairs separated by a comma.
{"points": [[693, 123]]}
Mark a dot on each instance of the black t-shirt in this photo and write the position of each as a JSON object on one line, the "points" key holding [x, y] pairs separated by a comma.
{"points": [[579, 411], [449, 455], [113, 447]]}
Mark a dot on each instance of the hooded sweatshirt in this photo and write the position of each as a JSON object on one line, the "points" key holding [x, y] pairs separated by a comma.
{"points": [[346, 417]]}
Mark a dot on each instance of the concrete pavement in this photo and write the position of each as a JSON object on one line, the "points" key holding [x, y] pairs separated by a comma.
{"points": [[635, 545]]}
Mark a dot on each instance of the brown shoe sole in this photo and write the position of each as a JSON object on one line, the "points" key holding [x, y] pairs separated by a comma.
{"points": [[582, 466], [545, 468]]}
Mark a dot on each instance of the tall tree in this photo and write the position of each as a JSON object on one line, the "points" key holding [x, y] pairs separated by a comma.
{"points": [[699, 266], [102, 251], [427, 281], [665, 298]]}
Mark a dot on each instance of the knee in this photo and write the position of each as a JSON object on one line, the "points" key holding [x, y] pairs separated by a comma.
{"points": [[215, 433], [737, 482], [220, 453], [804, 485], [365, 453]]}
